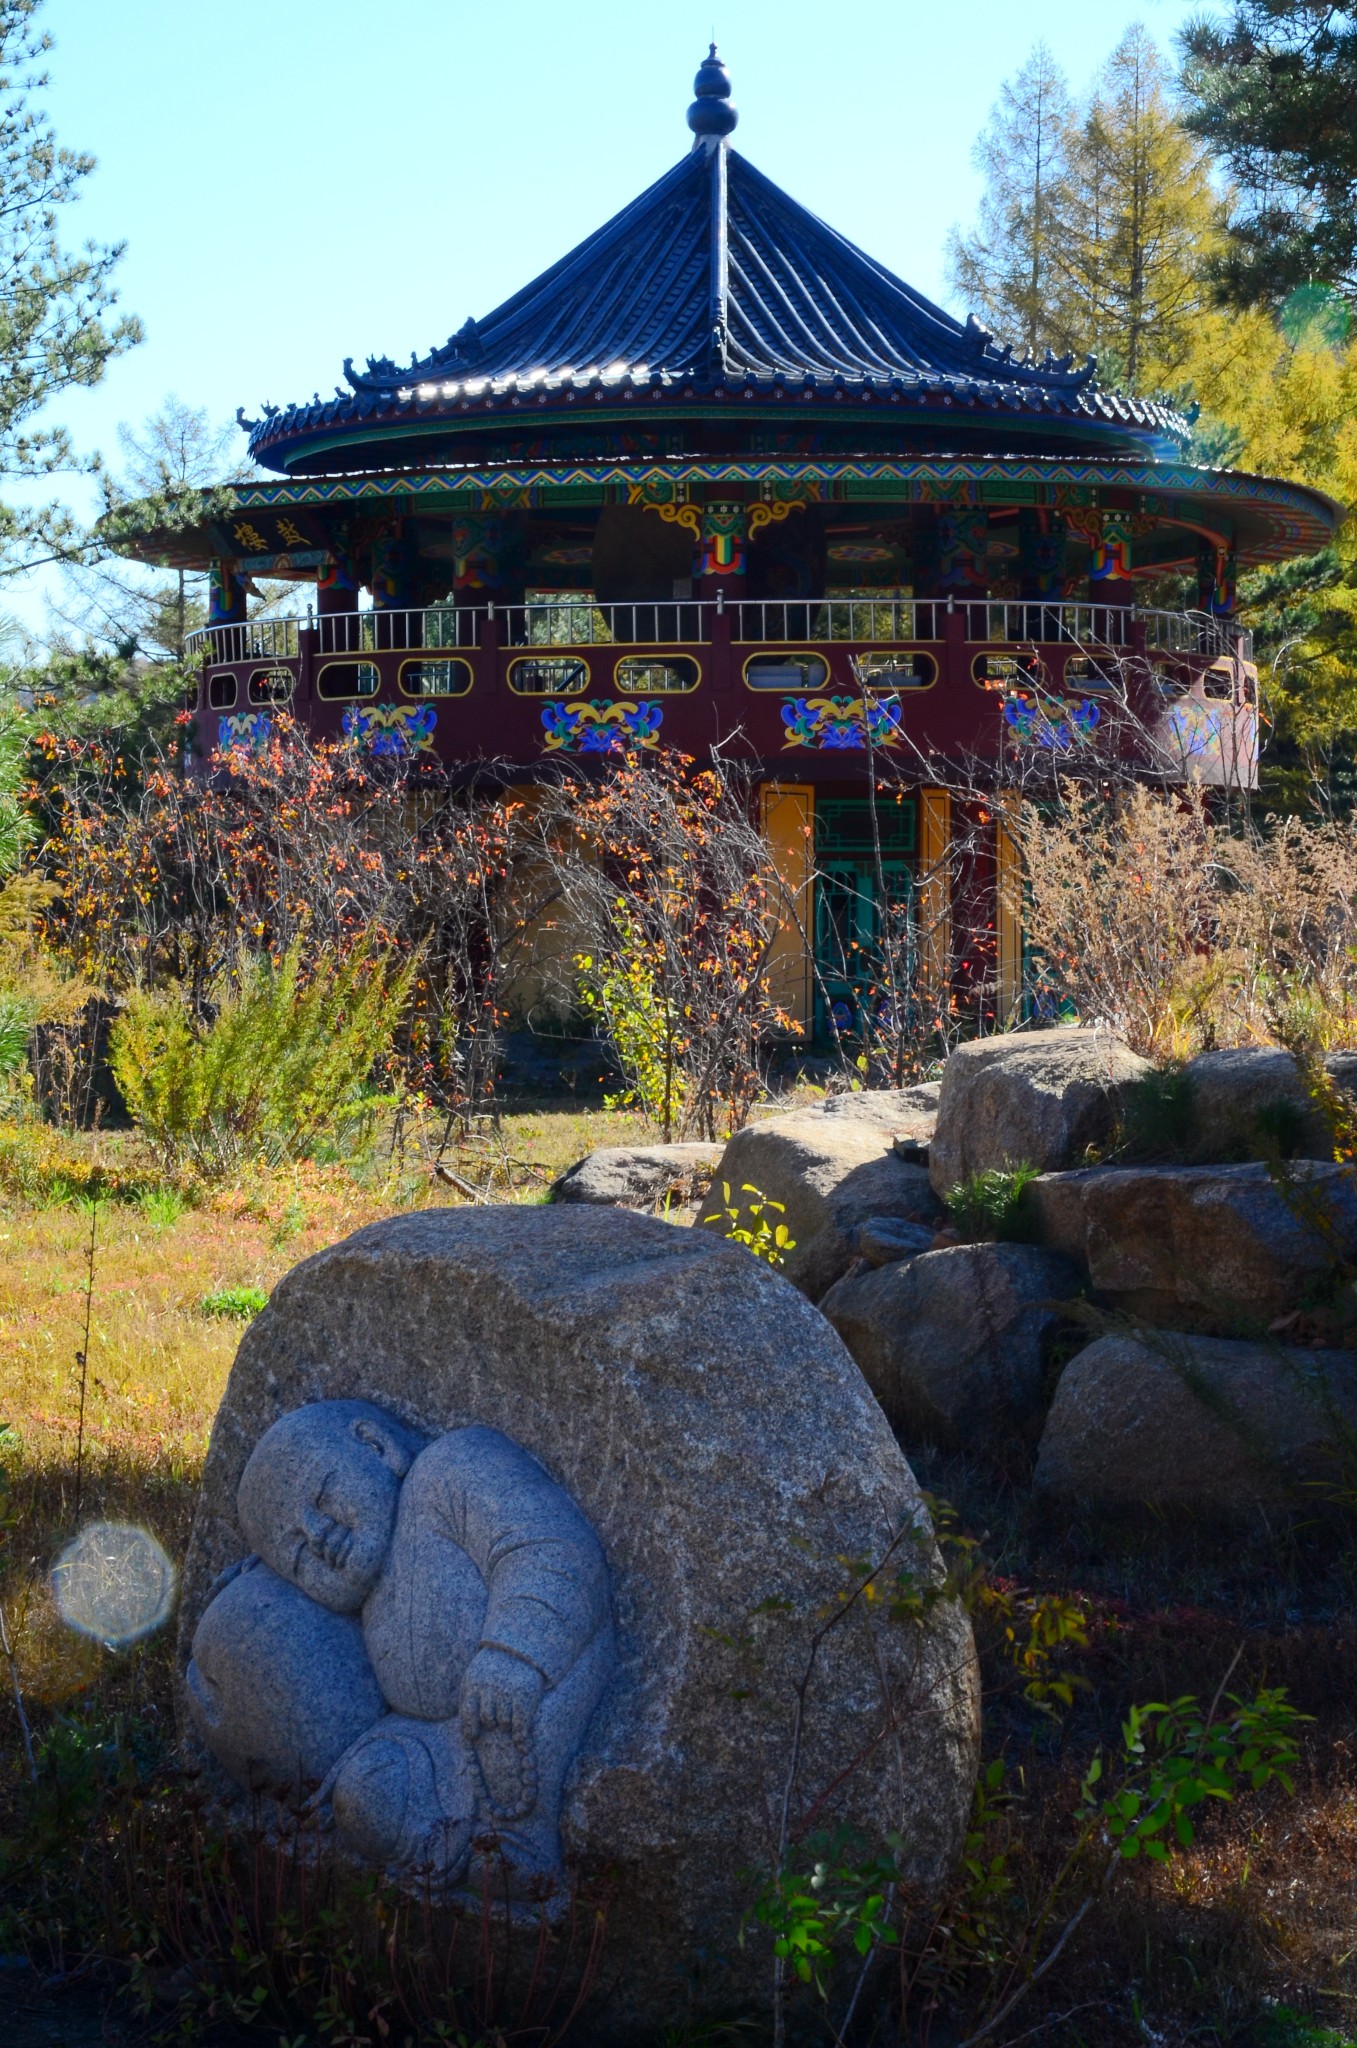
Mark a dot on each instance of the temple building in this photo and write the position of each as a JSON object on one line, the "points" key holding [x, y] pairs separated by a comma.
{"points": [[718, 477]]}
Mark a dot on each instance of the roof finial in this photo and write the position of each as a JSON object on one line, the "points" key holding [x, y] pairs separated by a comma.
{"points": [[711, 115]]}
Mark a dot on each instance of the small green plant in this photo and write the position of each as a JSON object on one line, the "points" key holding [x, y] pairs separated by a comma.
{"points": [[239, 1302], [767, 1240], [1283, 2027], [833, 1899], [1157, 1116], [989, 1206], [162, 1207], [1175, 1757]]}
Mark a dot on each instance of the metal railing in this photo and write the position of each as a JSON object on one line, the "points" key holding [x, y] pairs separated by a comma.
{"points": [[676, 623], [785, 622], [440, 626], [823, 619], [256, 640]]}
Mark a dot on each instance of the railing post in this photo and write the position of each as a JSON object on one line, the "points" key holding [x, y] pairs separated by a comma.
{"points": [[488, 643], [721, 656], [306, 658], [954, 644]]}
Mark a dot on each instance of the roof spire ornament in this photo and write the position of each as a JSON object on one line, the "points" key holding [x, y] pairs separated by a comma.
{"points": [[712, 115]]}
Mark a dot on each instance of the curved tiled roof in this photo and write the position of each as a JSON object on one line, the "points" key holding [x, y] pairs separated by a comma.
{"points": [[712, 279]]}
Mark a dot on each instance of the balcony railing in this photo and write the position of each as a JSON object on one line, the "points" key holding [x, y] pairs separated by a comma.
{"points": [[257, 640], [787, 622]]}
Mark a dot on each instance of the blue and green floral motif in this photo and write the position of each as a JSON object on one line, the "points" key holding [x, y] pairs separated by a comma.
{"points": [[836, 722], [248, 729], [392, 728], [1049, 722], [601, 727]]}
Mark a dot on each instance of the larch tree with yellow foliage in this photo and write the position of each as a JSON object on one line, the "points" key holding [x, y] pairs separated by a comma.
{"points": [[1094, 219]]}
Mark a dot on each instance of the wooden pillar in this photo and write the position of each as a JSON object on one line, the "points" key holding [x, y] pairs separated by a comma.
{"points": [[1216, 581], [1007, 910], [722, 549], [787, 820], [225, 595], [934, 903], [1109, 566]]}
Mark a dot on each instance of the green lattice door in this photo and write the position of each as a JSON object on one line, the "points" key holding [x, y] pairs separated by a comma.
{"points": [[857, 921]]}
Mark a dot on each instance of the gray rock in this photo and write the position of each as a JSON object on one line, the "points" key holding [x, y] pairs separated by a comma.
{"points": [[1200, 1247], [710, 1430], [881, 1240], [1036, 1098], [1244, 1098], [638, 1176], [1177, 1418], [954, 1343], [904, 1112], [830, 1175]]}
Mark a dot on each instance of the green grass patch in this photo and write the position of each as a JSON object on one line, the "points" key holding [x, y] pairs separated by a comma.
{"points": [[239, 1302]]}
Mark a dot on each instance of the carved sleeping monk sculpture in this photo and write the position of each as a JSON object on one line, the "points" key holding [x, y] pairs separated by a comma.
{"points": [[482, 1597]]}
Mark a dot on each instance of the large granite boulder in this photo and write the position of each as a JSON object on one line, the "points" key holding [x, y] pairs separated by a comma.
{"points": [[1170, 1417], [638, 1176], [574, 1489], [831, 1173], [1037, 1098], [905, 1113], [1248, 1102], [1223, 1248], [955, 1344]]}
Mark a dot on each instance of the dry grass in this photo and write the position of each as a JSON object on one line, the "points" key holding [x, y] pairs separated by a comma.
{"points": [[157, 1363], [1152, 917]]}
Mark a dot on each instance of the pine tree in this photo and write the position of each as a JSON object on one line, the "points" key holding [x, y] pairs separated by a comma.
{"points": [[1273, 91], [55, 333], [1006, 267]]}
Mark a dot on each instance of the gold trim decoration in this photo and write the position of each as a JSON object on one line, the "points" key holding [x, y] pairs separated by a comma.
{"points": [[670, 500]]}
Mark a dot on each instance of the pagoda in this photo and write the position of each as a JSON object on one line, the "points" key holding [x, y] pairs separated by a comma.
{"points": [[717, 477]]}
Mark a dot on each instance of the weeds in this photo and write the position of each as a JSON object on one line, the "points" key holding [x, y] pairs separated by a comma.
{"points": [[989, 1206], [238, 1303]]}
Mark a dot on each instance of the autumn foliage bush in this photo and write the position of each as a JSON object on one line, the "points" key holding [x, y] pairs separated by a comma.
{"points": [[292, 911]]}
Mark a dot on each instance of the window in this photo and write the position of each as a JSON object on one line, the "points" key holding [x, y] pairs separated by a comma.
{"points": [[786, 672], [653, 675], [1083, 673], [270, 686], [221, 690], [548, 675], [1007, 671], [1219, 684], [896, 671], [435, 678], [340, 679]]}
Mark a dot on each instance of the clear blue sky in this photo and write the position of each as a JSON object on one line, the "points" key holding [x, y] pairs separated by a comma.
{"points": [[301, 180]]}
